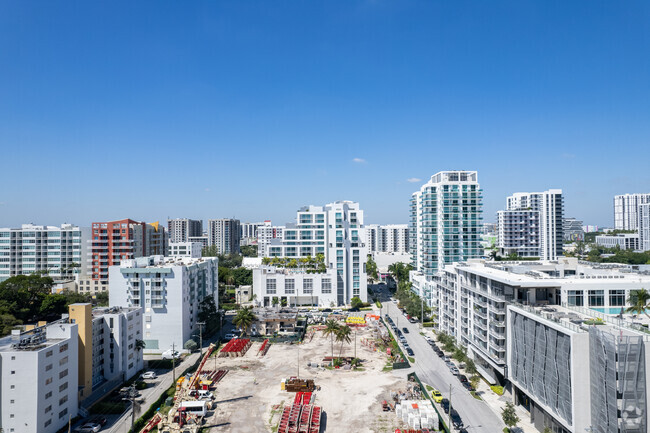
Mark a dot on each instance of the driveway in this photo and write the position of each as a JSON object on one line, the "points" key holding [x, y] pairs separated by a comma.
{"points": [[476, 414]]}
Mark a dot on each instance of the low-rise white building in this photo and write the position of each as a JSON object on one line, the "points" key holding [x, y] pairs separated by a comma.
{"points": [[169, 290], [38, 391], [624, 241], [296, 286], [185, 249]]}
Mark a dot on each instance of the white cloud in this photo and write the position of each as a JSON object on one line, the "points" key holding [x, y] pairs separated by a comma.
{"points": [[358, 160], [413, 179]]}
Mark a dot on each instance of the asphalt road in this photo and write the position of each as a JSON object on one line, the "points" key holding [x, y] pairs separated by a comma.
{"points": [[431, 369]]}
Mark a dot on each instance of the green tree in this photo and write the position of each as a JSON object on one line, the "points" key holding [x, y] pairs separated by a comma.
{"points": [[638, 301], [371, 269], [356, 302], [249, 250], [22, 296], [209, 315], [102, 299], [242, 276], [343, 336], [509, 416], [140, 345], [283, 302], [7, 323], [244, 319], [275, 301], [191, 345], [331, 327], [53, 306], [474, 381], [210, 251]]}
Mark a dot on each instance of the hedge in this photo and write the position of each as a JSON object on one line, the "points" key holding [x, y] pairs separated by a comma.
{"points": [[497, 389], [428, 324]]}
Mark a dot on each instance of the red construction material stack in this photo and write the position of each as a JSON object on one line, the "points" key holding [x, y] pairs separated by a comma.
{"points": [[264, 348], [235, 347]]}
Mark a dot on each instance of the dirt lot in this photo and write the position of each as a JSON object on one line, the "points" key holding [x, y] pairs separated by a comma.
{"points": [[249, 398]]}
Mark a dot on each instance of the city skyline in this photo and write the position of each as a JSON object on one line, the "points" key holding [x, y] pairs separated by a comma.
{"points": [[273, 107]]}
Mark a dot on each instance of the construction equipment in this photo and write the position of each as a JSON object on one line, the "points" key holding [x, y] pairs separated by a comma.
{"points": [[294, 384], [177, 419]]}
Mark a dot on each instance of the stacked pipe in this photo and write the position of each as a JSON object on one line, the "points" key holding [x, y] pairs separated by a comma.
{"points": [[235, 348], [264, 348]]}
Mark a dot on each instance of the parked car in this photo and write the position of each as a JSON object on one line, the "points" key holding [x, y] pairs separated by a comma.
{"points": [[169, 354], [406, 331], [455, 419], [468, 386], [149, 375], [89, 427], [445, 405], [409, 351], [413, 320], [205, 395], [462, 378], [436, 395], [229, 336], [454, 371]]}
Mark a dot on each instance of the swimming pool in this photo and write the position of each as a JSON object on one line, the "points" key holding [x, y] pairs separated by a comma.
{"points": [[609, 310]]}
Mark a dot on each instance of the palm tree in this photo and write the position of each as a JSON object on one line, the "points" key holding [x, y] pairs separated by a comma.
{"points": [[140, 344], [343, 335], [331, 328], [638, 302], [244, 319]]}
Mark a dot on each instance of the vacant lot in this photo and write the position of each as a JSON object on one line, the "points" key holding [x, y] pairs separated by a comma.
{"points": [[249, 398]]}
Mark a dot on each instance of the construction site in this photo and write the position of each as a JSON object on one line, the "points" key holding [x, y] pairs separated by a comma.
{"points": [[291, 388]]}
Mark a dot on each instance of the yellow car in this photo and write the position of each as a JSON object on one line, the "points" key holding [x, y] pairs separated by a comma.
{"points": [[436, 396]]}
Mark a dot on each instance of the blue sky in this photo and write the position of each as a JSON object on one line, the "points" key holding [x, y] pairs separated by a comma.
{"points": [[252, 109]]}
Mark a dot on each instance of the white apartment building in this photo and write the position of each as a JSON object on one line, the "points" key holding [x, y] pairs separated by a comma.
{"points": [[626, 210], [487, 307], [445, 224], [644, 227], [185, 249], [59, 250], [547, 235], [336, 232], [225, 235], [115, 356], [169, 290], [624, 241], [39, 378], [391, 238], [181, 229], [267, 233], [518, 232], [249, 233]]}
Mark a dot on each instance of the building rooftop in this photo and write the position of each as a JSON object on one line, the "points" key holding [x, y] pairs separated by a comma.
{"points": [[100, 311], [161, 262], [32, 339]]}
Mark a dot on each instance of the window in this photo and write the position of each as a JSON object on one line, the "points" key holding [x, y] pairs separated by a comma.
{"points": [[48, 409], [326, 285], [63, 413], [48, 395], [270, 286], [63, 360], [617, 298], [63, 399], [308, 286], [596, 298], [47, 423], [63, 387], [48, 353], [63, 374], [63, 347], [289, 286], [575, 298]]}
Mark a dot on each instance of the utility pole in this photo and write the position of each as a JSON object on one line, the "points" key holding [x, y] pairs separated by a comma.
{"points": [[299, 359], [201, 338], [422, 311]]}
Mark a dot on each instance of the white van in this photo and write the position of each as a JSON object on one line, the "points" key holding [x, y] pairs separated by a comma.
{"points": [[205, 395]]}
